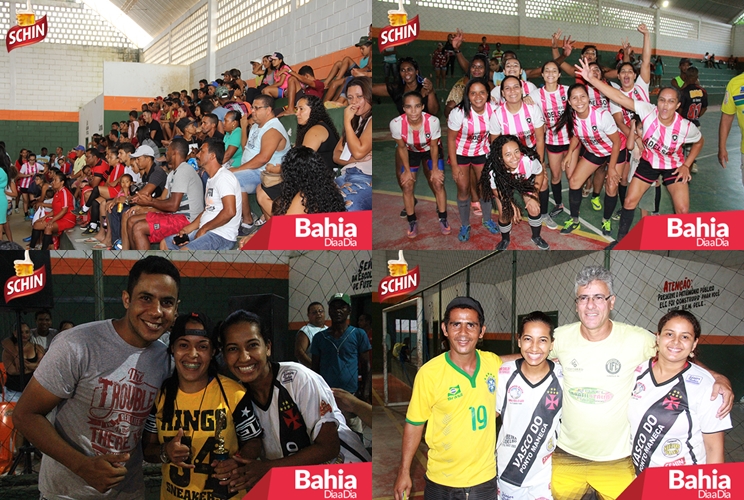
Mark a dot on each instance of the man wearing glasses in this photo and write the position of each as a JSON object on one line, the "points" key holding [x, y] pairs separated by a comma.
{"points": [[599, 358], [267, 143]]}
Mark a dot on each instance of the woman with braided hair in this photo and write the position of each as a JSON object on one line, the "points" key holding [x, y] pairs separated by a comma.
{"points": [[511, 167]]}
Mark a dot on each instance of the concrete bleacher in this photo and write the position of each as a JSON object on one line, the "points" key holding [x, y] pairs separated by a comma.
{"points": [[714, 80], [69, 239]]}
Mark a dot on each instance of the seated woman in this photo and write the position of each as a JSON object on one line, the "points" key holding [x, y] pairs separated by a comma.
{"points": [[690, 420], [316, 130], [32, 354], [319, 436], [354, 149], [172, 433], [61, 218]]}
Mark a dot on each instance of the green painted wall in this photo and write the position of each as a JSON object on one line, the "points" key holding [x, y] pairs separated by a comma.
{"points": [[35, 135]]}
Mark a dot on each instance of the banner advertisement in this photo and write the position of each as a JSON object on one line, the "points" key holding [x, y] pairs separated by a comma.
{"points": [[352, 480], [698, 231], [331, 231]]}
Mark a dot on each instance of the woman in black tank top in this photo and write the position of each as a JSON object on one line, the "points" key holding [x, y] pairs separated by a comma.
{"points": [[32, 354]]}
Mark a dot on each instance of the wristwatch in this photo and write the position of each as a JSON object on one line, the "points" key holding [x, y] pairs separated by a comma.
{"points": [[163, 454]]}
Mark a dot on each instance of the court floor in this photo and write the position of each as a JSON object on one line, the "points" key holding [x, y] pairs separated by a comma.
{"points": [[712, 189]]}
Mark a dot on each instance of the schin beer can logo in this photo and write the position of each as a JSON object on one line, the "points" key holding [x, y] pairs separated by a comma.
{"points": [[26, 281], [28, 31], [400, 281], [400, 31]]}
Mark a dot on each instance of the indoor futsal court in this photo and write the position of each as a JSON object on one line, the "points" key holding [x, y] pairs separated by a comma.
{"points": [[712, 188]]}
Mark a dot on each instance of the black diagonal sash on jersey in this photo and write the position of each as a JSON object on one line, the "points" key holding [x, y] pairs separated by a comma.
{"points": [[657, 421], [536, 434], [292, 429]]}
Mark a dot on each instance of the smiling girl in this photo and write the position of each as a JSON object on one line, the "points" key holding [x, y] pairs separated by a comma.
{"points": [[671, 402]]}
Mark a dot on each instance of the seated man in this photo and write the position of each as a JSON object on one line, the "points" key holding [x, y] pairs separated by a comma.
{"points": [[337, 84], [302, 83], [216, 228], [266, 142], [153, 184], [154, 218]]}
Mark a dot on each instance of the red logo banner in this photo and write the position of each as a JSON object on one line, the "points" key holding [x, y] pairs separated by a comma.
{"points": [[331, 231], [687, 482], [698, 231], [392, 36], [315, 482], [20, 36], [394, 286], [21, 286]]}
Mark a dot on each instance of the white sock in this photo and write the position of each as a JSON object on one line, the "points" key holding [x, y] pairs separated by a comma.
{"points": [[85, 209]]}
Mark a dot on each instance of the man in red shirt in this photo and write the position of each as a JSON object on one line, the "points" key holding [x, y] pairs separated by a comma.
{"points": [[302, 83]]}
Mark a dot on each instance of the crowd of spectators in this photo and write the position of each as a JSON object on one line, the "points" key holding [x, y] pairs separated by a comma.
{"points": [[185, 165]]}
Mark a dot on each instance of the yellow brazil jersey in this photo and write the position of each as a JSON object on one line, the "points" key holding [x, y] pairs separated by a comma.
{"points": [[733, 102], [196, 413], [460, 411], [598, 378]]}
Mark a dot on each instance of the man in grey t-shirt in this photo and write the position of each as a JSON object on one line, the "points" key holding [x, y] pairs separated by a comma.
{"points": [[102, 378], [154, 219]]}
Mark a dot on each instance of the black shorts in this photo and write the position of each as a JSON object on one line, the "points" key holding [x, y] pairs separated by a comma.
{"points": [[556, 150], [649, 174], [417, 158], [597, 160], [274, 191], [623, 156], [483, 491], [466, 161]]}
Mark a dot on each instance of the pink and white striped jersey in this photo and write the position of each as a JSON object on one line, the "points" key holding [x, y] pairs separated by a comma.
{"points": [[597, 99], [30, 169], [552, 105], [522, 124], [527, 168], [639, 92], [594, 131], [473, 137], [527, 89], [416, 140], [664, 143]]}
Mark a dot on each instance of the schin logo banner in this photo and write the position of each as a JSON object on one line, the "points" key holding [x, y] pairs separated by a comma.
{"points": [[699, 231], [28, 31], [400, 281], [26, 281], [687, 482], [349, 480], [401, 31]]}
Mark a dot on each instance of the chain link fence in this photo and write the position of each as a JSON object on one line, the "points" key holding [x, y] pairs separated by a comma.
{"points": [[647, 285]]}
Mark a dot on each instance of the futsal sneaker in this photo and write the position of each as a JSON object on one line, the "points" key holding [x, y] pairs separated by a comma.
{"points": [[91, 229], [503, 245], [596, 203], [464, 234], [491, 226], [616, 215], [541, 243], [403, 213], [412, 229], [444, 226], [556, 210], [549, 222], [694, 169], [570, 226], [606, 228]]}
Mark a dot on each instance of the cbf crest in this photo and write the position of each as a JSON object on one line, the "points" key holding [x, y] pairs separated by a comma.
{"points": [[491, 382]]}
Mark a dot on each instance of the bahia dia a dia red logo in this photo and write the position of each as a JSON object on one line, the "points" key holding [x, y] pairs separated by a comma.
{"points": [[400, 281], [28, 31], [26, 281]]}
